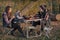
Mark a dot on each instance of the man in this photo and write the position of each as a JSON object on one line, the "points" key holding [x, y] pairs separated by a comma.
{"points": [[42, 14], [45, 16]]}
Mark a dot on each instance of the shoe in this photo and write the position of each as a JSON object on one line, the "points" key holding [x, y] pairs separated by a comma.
{"points": [[38, 32], [12, 34]]}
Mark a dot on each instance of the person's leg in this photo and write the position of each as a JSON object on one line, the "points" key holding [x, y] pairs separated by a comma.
{"points": [[20, 30], [42, 25], [34, 23], [38, 23], [12, 32], [48, 23]]}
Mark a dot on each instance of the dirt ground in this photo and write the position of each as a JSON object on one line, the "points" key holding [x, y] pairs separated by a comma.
{"points": [[55, 34]]}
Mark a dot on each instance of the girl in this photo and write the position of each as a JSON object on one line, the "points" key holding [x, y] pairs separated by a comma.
{"points": [[7, 18]]}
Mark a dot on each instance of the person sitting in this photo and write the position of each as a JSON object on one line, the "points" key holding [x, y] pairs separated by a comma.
{"points": [[15, 23], [7, 17], [41, 15]]}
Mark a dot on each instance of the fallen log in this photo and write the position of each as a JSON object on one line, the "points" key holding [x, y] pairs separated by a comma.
{"points": [[58, 17]]}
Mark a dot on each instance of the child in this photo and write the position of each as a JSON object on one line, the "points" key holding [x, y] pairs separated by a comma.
{"points": [[16, 23], [19, 16]]}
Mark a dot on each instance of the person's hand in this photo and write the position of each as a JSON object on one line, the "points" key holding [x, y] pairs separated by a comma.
{"points": [[13, 17], [30, 18]]}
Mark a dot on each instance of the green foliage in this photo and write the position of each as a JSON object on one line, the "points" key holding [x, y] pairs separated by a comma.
{"points": [[55, 6]]}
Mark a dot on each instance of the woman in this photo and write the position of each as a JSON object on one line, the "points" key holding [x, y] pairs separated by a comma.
{"points": [[7, 17]]}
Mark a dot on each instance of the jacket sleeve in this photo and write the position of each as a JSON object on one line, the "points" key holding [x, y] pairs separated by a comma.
{"points": [[6, 19]]}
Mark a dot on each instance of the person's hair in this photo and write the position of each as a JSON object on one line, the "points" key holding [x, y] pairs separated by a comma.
{"points": [[7, 8], [43, 7]]}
